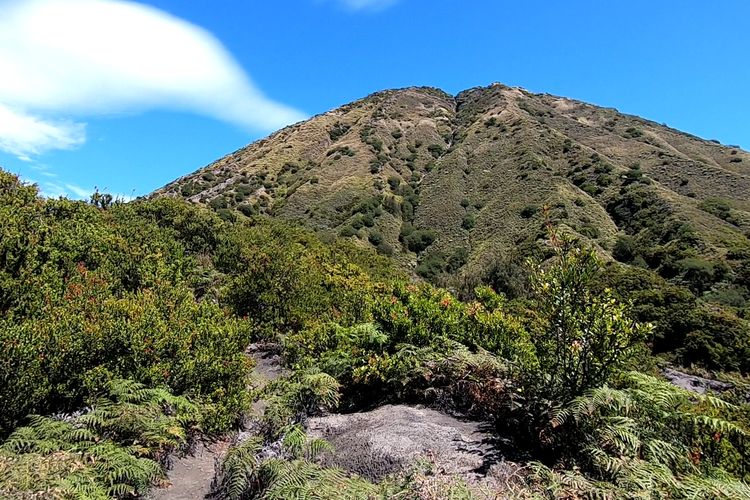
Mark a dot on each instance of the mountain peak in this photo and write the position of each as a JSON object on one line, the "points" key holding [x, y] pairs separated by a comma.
{"points": [[448, 183]]}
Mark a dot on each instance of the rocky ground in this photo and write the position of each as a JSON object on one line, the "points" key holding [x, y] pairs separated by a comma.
{"points": [[393, 438], [694, 383], [390, 439]]}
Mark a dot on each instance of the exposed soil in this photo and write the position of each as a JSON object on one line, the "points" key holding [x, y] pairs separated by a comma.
{"points": [[390, 439], [393, 438], [191, 476]]}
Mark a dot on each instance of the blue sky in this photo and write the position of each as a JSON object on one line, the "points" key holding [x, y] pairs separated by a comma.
{"points": [[128, 96]]}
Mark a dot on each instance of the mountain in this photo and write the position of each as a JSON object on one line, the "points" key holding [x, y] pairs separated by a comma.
{"points": [[451, 185]]}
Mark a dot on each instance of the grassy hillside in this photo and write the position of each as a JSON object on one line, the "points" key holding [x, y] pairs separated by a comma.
{"points": [[459, 189], [125, 326], [476, 169]]}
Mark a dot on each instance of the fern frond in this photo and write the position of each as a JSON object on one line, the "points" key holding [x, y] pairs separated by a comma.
{"points": [[239, 469], [294, 440]]}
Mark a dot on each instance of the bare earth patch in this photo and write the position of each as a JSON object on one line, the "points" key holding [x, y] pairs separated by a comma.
{"points": [[191, 476], [393, 438]]}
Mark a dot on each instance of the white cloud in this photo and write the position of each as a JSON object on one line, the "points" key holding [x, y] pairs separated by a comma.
{"points": [[84, 57], [52, 189], [22, 134], [78, 191], [367, 4]]}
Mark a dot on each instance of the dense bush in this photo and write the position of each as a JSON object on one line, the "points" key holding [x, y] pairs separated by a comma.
{"points": [[582, 335], [114, 449], [417, 240], [284, 278], [90, 294], [688, 331], [99, 298]]}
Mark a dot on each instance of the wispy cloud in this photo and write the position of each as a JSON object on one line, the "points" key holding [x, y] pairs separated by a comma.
{"points": [[62, 60], [54, 189], [22, 134], [367, 4]]}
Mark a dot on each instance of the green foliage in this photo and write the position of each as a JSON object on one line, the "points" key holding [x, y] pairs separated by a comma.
{"points": [[288, 400], [469, 221], [436, 150], [582, 335], [413, 327], [219, 203], [431, 266], [284, 278], [89, 295], [341, 150], [168, 295], [290, 474], [418, 240], [685, 329], [528, 211], [347, 231], [721, 208], [375, 237], [338, 130], [633, 132], [645, 436], [161, 336], [112, 450]]}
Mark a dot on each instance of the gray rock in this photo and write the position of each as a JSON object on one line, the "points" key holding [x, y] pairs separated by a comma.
{"points": [[393, 438], [699, 385]]}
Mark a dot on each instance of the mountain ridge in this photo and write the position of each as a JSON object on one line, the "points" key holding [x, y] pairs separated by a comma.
{"points": [[446, 184]]}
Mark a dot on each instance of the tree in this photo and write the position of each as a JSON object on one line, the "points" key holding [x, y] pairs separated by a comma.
{"points": [[581, 335]]}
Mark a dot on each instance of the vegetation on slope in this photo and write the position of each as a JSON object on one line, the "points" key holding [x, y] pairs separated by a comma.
{"points": [[125, 325], [455, 190]]}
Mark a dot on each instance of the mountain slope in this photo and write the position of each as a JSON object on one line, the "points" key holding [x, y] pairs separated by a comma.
{"points": [[451, 183]]}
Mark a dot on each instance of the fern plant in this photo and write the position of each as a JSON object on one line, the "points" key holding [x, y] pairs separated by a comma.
{"points": [[115, 449], [644, 436], [291, 398], [285, 469]]}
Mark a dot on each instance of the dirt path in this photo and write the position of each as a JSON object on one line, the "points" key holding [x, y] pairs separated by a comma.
{"points": [[191, 476]]}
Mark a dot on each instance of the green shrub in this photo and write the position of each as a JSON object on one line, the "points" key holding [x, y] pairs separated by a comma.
{"points": [[529, 211], [248, 210], [721, 209], [418, 240], [284, 278], [159, 337], [385, 249], [431, 266], [338, 130], [219, 203], [347, 231], [468, 221], [633, 133], [436, 150], [582, 333], [375, 237]]}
